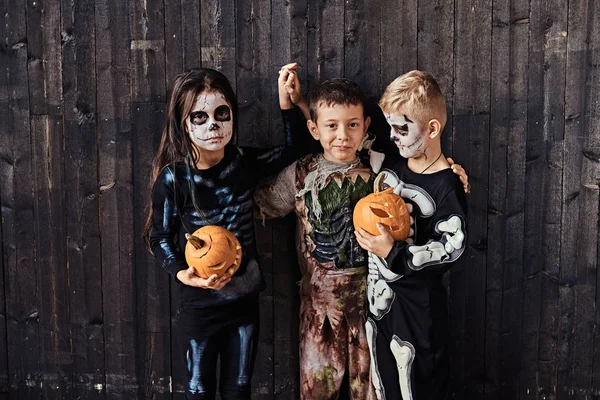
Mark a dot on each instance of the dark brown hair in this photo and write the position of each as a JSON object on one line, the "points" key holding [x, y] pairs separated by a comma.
{"points": [[175, 143], [336, 91]]}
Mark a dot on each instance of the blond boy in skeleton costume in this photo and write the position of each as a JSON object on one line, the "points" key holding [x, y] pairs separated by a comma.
{"points": [[407, 325]]}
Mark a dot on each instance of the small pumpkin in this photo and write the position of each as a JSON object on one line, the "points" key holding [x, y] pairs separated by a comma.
{"points": [[213, 250], [384, 207]]}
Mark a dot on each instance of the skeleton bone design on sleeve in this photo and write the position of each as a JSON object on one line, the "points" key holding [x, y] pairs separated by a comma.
{"points": [[448, 249], [379, 294]]}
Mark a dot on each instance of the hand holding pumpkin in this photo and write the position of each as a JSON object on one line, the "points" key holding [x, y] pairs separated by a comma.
{"points": [[189, 277], [380, 245]]}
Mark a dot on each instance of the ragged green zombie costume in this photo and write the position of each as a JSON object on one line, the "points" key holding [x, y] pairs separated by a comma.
{"points": [[334, 269]]}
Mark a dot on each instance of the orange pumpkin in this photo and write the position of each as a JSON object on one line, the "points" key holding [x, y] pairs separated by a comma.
{"points": [[384, 207], [213, 250]]}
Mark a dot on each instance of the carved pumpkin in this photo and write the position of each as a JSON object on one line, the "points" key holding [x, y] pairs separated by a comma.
{"points": [[384, 207], [213, 250]]}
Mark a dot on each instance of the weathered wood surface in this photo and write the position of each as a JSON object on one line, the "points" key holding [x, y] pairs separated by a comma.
{"points": [[84, 313]]}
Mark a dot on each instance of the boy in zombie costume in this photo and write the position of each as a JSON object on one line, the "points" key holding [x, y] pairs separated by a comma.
{"points": [[407, 325], [322, 189]]}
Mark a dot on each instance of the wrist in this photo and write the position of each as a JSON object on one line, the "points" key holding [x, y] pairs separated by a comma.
{"points": [[285, 103], [301, 102]]}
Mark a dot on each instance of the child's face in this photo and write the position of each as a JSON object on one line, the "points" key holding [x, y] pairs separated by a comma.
{"points": [[340, 129], [409, 135], [210, 124]]}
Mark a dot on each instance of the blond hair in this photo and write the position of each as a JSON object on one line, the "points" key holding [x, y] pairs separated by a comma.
{"points": [[417, 94]]}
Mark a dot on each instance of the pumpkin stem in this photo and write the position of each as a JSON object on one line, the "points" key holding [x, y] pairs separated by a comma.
{"points": [[378, 183], [196, 242]]}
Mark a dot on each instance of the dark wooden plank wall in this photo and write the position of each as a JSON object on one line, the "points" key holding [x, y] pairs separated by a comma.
{"points": [[85, 314]]}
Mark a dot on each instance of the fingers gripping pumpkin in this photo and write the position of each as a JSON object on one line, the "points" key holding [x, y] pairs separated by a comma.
{"points": [[384, 207], [213, 250]]}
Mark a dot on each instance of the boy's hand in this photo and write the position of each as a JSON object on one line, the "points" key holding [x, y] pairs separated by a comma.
{"points": [[379, 245], [189, 277], [285, 83], [460, 171]]}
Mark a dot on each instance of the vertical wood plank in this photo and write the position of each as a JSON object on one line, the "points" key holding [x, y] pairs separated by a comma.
{"points": [[325, 41], [5, 49], [218, 24], [468, 282], [81, 199], [21, 282], [147, 51], [471, 108], [435, 43], [544, 187], [255, 82], [398, 41], [116, 197], [579, 241], [152, 283], [512, 253], [299, 39], [49, 201], [499, 131], [44, 38], [288, 45], [182, 37], [362, 38], [286, 309], [592, 159]]}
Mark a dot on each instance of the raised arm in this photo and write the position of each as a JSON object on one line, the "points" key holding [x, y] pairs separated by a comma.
{"points": [[298, 141]]}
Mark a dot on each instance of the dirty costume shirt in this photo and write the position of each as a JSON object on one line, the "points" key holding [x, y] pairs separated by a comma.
{"points": [[326, 242]]}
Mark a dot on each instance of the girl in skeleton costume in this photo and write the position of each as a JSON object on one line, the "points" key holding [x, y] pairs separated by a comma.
{"points": [[200, 178], [407, 324]]}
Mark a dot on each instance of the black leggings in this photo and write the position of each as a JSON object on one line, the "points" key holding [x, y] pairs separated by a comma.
{"points": [[203, 340]]}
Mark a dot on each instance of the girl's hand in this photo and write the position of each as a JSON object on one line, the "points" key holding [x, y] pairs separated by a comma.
{"points": [[189, 277], [378, 245], [460, 171], [286, 78]]}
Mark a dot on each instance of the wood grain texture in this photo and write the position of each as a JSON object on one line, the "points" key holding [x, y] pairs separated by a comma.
{"points": [[85, 313]]}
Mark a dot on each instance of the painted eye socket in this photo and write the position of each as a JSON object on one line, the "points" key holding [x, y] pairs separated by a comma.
{"points": [[223, 113], [401, 130], [198, 117]]}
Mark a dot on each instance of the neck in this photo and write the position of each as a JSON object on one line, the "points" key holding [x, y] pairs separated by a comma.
{"points": [[430, 161], [209, 158]]}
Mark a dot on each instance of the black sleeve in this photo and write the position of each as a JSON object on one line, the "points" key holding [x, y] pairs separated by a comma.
{"points": [[446, 241], [267, 162], [166, 224]]}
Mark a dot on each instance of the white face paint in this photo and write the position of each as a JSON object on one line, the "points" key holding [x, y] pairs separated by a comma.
{"points": [[408, 135], [210, 124]]}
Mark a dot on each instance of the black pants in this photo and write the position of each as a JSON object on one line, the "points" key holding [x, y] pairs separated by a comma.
{"points": [[204, 338]]}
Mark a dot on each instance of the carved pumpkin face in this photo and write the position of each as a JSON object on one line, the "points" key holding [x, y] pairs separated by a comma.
{"points": [[385, 208], [213, 250]]}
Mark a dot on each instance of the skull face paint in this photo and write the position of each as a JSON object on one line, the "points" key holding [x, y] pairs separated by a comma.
{"points": [[408, 135], [210, 124]]}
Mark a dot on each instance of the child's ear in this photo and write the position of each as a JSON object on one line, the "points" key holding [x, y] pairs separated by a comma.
{"points": [[367, 123], [312, 127], [435, 128]]}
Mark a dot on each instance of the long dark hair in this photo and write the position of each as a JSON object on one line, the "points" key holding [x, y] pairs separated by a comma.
{"points": [[175, 143]]}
